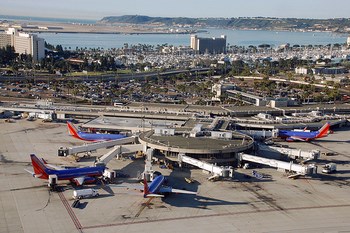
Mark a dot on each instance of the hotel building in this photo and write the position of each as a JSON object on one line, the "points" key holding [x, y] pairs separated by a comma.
{"points": [[209, 45], [24, 43]]}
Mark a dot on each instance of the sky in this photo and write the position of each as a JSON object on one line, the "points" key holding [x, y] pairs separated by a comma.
{"points": [[97, 9]]}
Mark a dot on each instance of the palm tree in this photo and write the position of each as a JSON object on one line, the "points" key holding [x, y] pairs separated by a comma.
{"points": [[69, 86]]}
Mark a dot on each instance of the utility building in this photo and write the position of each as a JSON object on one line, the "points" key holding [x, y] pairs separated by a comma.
{"points": [[24, 43], [214, 45]]}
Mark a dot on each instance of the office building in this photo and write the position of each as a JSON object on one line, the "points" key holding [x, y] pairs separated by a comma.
{"points": [[24, 43], [5, 40], [214, 45]]}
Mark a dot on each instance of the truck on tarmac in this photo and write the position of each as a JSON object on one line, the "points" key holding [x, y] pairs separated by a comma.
{"points": [[329, 168], [85, 193]]}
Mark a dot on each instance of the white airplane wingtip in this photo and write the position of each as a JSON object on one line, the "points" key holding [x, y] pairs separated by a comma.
{"points": [[183, 191], [154, 195]]}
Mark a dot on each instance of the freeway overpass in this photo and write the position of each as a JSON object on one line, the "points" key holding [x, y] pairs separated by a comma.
{"points": [[106, 77]]}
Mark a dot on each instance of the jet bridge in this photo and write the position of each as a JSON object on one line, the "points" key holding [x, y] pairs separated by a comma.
{"points": [[94, 146], [118, 150], [292, 153], [216, 170], [280, 165]]}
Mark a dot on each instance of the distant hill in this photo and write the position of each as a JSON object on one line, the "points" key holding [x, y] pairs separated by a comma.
{"points": [[263, 23], [141, 19]]}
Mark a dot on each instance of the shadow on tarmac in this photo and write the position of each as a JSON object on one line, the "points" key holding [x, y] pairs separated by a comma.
{"points": [[197, 201], [333, 177]]}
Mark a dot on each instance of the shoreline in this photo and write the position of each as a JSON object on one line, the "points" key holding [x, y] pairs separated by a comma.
{"points": [[59, 27], [106, 29], [123, 28], [111, 33], [167, 33]]}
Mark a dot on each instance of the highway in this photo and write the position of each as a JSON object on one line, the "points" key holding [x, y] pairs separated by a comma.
{"points": [[105, 77]]}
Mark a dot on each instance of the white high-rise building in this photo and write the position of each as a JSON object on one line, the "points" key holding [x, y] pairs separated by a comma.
{"points": [[348, 41], [194, 42], [209, 45], [24, 43]]}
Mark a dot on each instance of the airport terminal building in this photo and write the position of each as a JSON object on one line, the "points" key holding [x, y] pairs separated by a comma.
{"points": [[215, 147], [202, 140]]}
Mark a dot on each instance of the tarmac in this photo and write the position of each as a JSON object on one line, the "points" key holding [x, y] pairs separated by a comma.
{"points": [[244, 204]]}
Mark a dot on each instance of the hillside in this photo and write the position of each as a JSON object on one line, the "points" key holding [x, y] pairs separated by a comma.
{"points": [[263, 23]]}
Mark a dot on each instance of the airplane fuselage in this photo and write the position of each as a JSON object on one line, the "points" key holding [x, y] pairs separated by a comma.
{"points": [[99, 137], [154, 187], [299, 134], [304, 135], [77, 172], [43, 171], [93, 137]]}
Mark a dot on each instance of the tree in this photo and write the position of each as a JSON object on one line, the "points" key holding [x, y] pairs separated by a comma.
{"points": [[7, 55], [59, 48], [237, 67], [70, 85]]}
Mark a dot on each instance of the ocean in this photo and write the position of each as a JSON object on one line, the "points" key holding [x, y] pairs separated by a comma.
{"points": [[234, 37]]}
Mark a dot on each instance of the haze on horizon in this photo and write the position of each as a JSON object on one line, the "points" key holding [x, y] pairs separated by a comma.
{"points": [[92, 9]]}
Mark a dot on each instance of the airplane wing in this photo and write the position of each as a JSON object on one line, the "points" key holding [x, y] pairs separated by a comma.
{"points": [[55, 167], [79, 180], [183, 191], [292, 139], [167, 189], [154, 195], [127, 186]]}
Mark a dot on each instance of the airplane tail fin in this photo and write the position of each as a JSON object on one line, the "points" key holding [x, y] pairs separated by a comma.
{"points": [[323, 132], [40, 170], [145, 188], [147, 193], [72, 130]]}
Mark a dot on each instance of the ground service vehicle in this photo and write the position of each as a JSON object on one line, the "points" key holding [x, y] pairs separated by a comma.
{"points": [[85, 193], [329, 168]]}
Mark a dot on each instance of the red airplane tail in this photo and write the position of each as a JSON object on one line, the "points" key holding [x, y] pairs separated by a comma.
{"points": [[145, 188], [39, 167], [72, 130], [323, 132]]}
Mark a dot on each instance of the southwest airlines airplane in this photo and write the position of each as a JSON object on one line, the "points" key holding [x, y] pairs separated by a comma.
{"points": [[79, 176], [304, 135], [158, 189], [93, 137]]}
